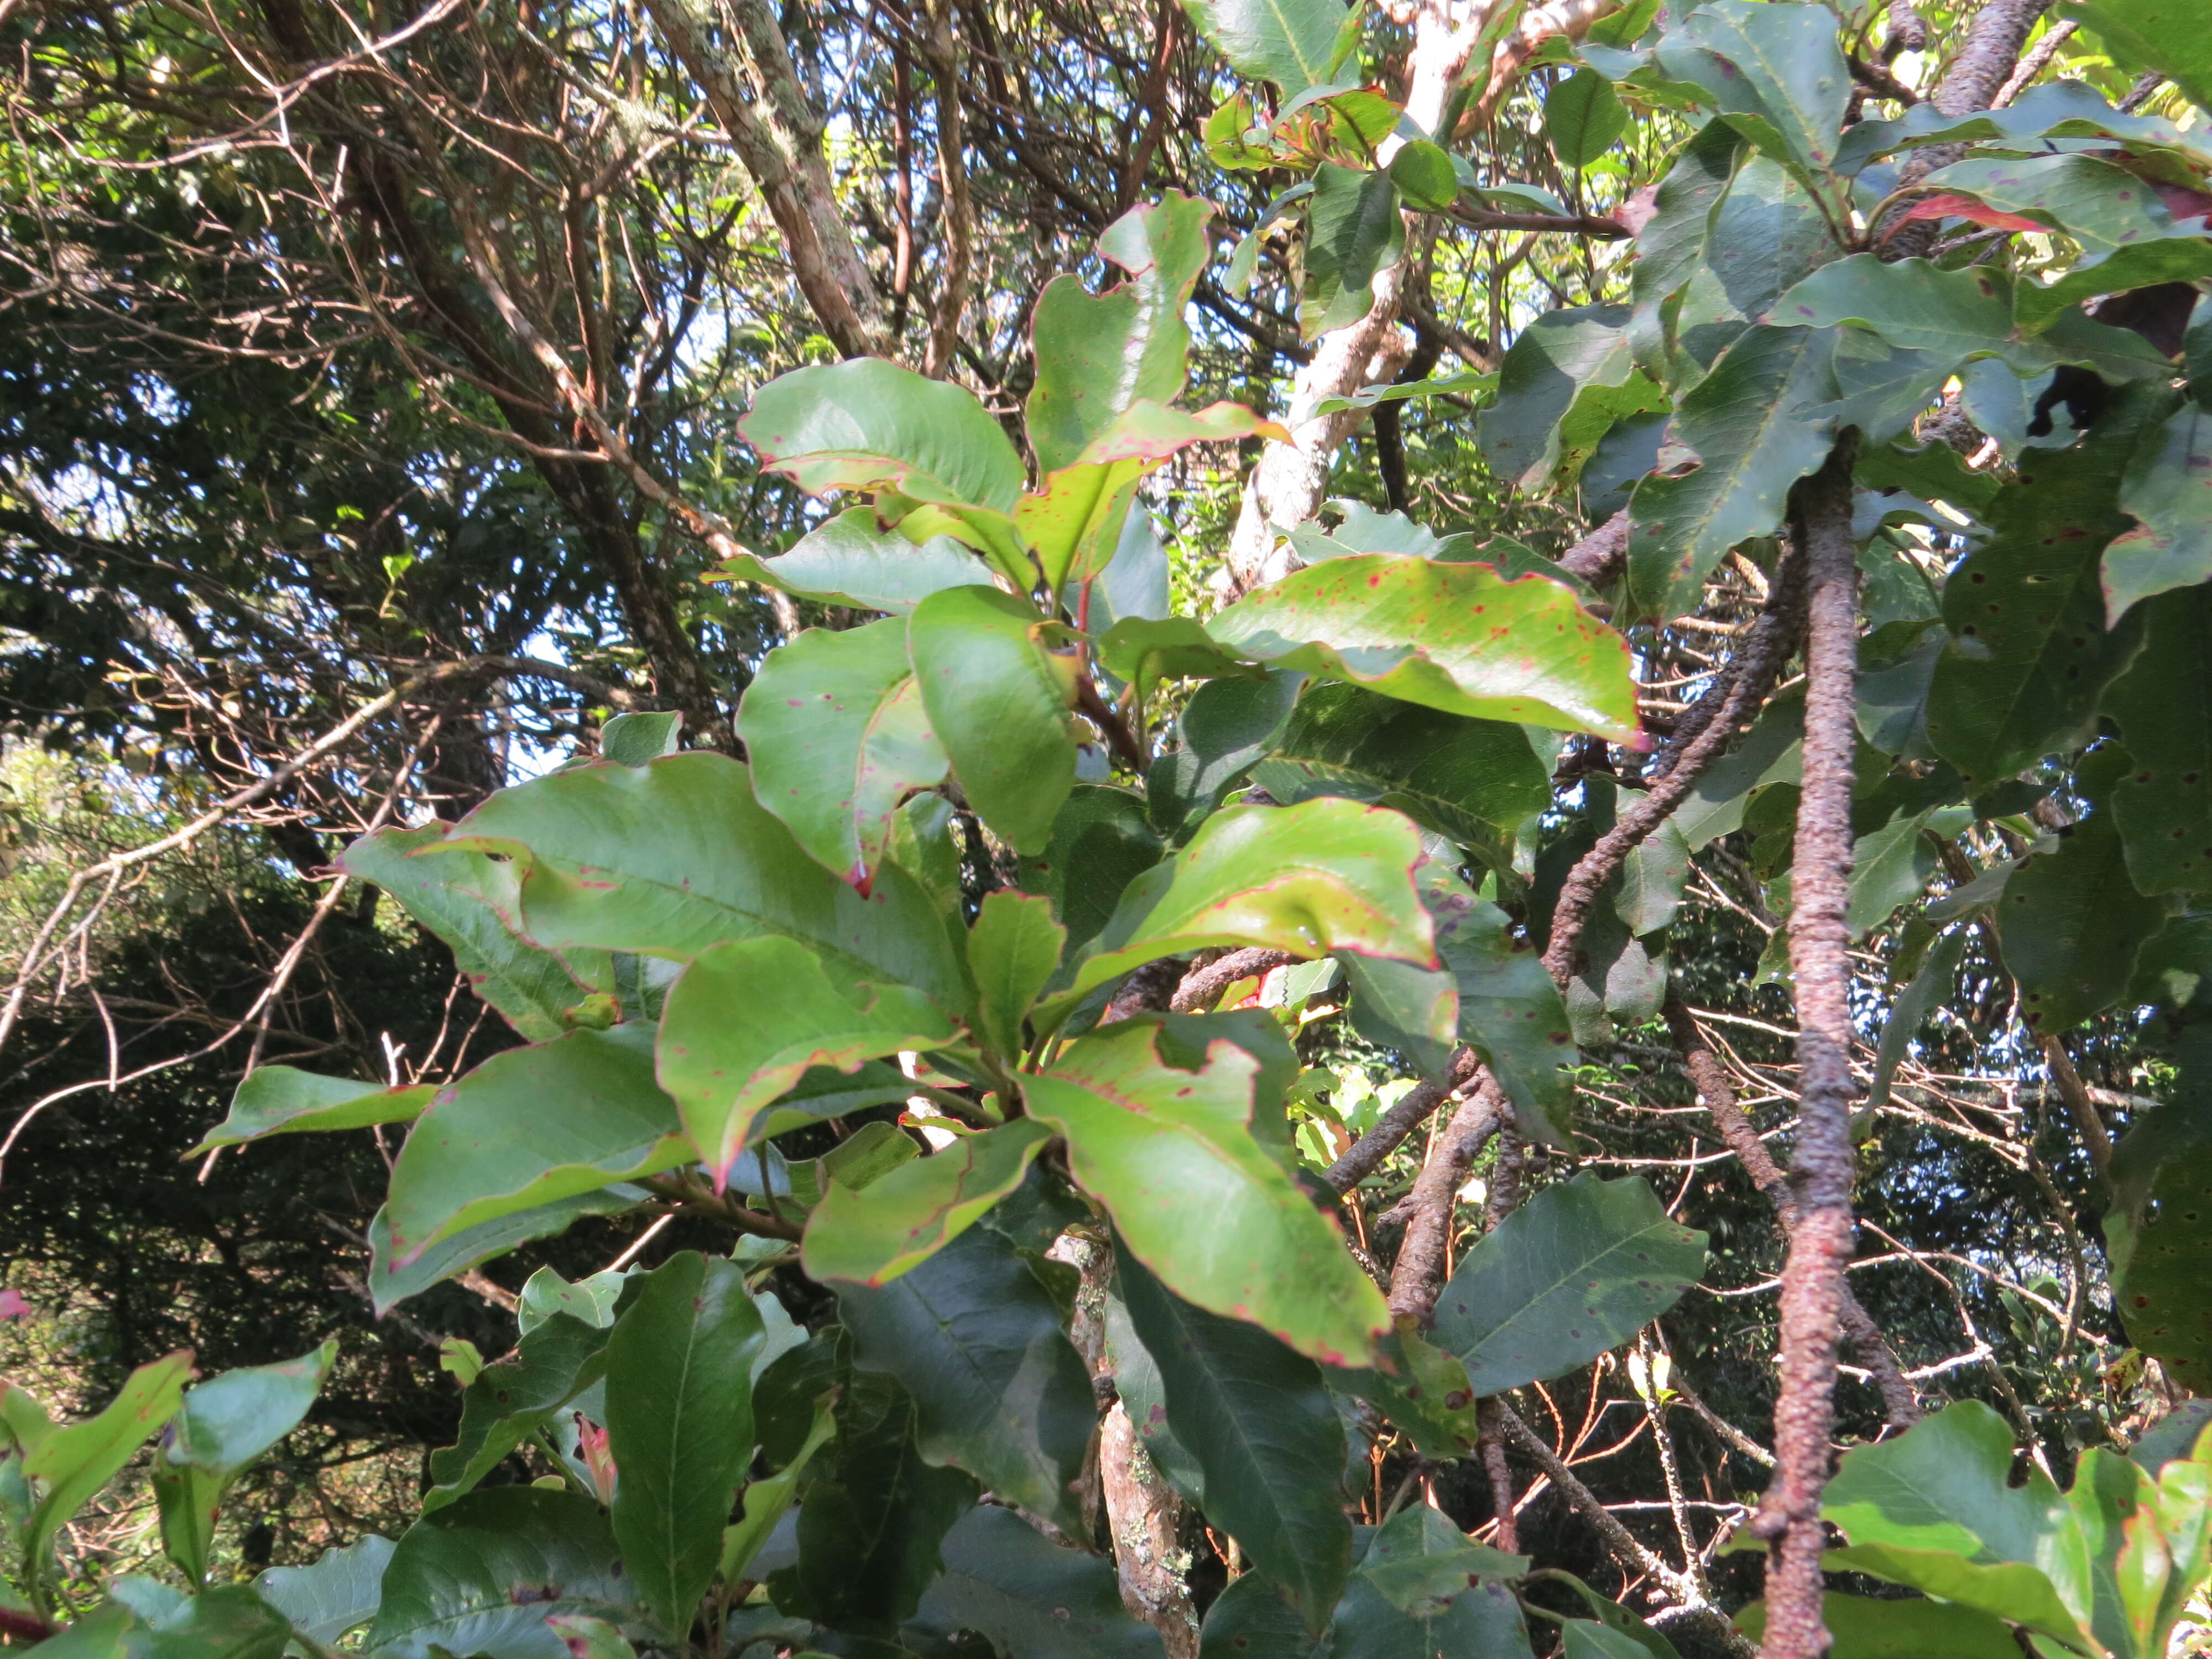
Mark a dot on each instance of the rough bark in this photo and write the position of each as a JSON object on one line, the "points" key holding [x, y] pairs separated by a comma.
{"points": [[1418, 1274], [778, 137], [1821, 1165], [1984, 61], [1200, 988]]}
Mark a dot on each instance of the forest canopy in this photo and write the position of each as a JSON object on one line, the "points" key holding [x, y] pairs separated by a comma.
{"points": [[1228, 828]]}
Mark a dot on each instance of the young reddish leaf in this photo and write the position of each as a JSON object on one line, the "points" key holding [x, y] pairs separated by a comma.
{"points": [[1951, 205]]}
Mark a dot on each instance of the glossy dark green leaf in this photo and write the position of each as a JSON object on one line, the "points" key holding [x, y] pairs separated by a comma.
{"points": [[2029, 654], [223, 1426], [2072, 923], [1100, 842], [481, 1577], [2167, 490], [1577, 1270], [529, 1128], [835, 727], [1257, 1418], [1290, 42], [1424, 176], [1456, 637], [999, 702], [670, 858], [2157, 1236], [1322, 876], [276, 1100], [1012, 950], [1098, 354], [1410, 1010], [474, 903], [1226, 728], [1776, 74], [1583, 118], [1890, 866], [73, 1461], [875, 1234], [1476, 781], [998, 1388], [339, 1590], [140, 1621], [1760, 421], [1171, 1155], [680, 1423], [515, 1397], [1864, 1628], [1671, 253], [1420, 1561], [848, 560], [1549, 366], [747, 1020], [768, 1500], [1032, 1599], [1253, 1616], [1617, 1620], [1935, 1508], [1483, 1619], [2163, 804], [874, 1517]]}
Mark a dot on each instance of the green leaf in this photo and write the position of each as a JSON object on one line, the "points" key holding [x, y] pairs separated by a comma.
{"points": [[1170, 1155], [2164, 35], [1098, 355], [338, 1591], [768, 1501], [148, 1621], [1551, 364], [474, 903], [2163, 804], [481, 1576], [73, 1461], [746, 1021], [834, 725], [634, 739], [1936, 1509], [1031, 1599], [1476, 781], [1775, 72], [1012, 950], [1290, 42], [1100, 842], [513, 1398], [1253, 1616], [221, 1428], [528, 1127], [1928, 989], [1583, 118], [1226, 728], [877, 1233], [873, 1520], [276, 1100], [2029, 654], [1353, 230], [1424, 1393], [680, 1423], [998, 701], [2073, 922], [2157, 1236], [1864, 1628], [392, 1281], [1576, 1271], [1483, 1619], [1890, 866], [1671, 250], [998, 1388], [1762, 419], [1259, 1420], [1455, 637], [1419, 1560], [1320, 877], [672, 858], [868, 424], [546, 1293], [1509, 1011], [586, 1637], [1424, 176], [2167, 490], [848, 560], [1617, 1619]]}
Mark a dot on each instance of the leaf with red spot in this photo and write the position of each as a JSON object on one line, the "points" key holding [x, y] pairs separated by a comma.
{"points": [[1171, 1156], [1457, 637], [838, 738], [1949, 204]]}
